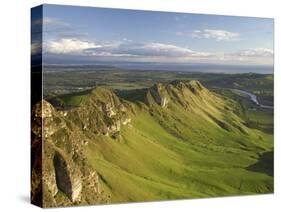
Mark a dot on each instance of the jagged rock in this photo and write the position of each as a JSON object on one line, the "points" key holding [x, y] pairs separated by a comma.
{"points": [[126, 121], [67, 180], [50, 181], [102, 112], [62, 175], [159, 94], [122, 108], [48, 128], [36, 171], [43, 109], [85, 142], [114, 127], [43, 115], [164, 101], [76, 189], [36, 126], [62, 145], [108, 109]]}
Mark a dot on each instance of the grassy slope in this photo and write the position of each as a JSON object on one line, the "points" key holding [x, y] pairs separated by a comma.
{"points": [[70, 100], [175, 154], [255, 116]]}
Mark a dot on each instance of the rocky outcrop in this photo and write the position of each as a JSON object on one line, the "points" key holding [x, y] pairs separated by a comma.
{"points": [[68, 180], [175, 91], [36, 171], [41, 112], [108, 109], [158, 94], [62, 175], [103, 113], [44, 115], [125, 121], [50, 180], [57, 146], [59, 139]]}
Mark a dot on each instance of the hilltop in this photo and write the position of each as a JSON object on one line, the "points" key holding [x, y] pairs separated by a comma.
{"points": [[169, 141]]}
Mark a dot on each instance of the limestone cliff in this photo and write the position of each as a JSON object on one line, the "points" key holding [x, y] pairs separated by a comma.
{"points": [[60, 139], [60, 179]]}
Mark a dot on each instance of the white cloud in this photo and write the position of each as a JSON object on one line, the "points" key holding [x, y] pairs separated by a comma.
{"points": [[256, 52], [219, 35], [127, 50], [250, 56], [68, 46], [144, 50]]}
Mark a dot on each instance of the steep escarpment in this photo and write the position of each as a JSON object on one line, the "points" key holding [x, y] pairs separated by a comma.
{"points": [[102, 112], [172, 144], [65, 178]]}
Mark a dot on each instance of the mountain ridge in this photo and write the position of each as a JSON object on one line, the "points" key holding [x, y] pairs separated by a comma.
{"points": [[179, 122]]}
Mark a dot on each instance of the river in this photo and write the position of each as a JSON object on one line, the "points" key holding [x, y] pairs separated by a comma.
{"points": [[253, 98]]}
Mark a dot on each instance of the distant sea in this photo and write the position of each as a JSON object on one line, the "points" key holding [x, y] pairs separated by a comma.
{"points": [[203, 68]]}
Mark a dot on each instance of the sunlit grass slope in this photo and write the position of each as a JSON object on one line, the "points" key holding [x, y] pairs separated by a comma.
{"points": [[195, 146]]}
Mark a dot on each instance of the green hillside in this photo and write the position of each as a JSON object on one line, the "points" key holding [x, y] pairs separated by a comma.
{"points": [[168, 153], [170, 141]]}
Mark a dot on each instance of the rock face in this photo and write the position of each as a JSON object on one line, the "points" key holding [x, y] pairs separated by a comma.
{"points": [[103, 112], [60, 139], [176, 91], [159, 95], [62, 175], [44, 115], [66, 181], [42, 112], [54, 145]]}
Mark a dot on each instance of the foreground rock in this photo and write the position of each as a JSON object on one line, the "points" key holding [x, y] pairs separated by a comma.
{"points": [[65, 177]]}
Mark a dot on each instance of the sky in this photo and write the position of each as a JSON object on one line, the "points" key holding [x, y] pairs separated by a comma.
{"points": [[87, 35]]}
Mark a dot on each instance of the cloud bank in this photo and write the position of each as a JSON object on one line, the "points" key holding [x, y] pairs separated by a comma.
{"points": [[68, 46], [129, 51]]}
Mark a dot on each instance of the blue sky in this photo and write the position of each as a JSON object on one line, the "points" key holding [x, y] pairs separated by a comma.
{"points": [[97, 34]]}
